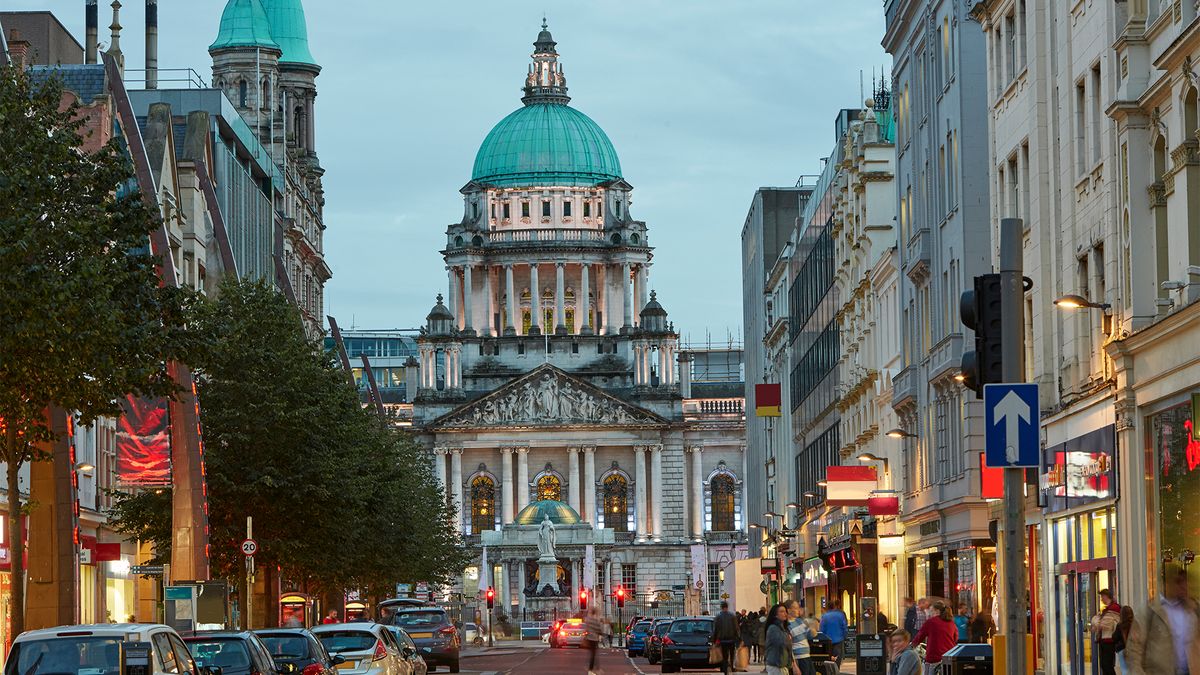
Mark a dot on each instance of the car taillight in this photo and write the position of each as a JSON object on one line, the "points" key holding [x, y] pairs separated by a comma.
{"points": [[380, 651], [312, 669], [667, 641]]}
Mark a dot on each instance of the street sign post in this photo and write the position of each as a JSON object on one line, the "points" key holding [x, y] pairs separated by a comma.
{"points": [[1012, 421]]}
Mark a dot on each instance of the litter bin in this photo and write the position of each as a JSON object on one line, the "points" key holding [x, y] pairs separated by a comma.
{"points": [[968, 659], [871, 659]]}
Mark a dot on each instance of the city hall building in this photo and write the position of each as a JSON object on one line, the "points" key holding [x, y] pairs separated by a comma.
{"points": [[549, 382]]}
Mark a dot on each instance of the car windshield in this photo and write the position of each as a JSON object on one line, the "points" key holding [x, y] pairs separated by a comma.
{"points": [[643, 627], [286, 646], [228, 654], [347, 640], [91, 655], [661, 629], [423, 618], [692, 626]]}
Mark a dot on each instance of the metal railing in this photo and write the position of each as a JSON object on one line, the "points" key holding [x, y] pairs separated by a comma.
{"points": [[168, 78], [544, 234]]}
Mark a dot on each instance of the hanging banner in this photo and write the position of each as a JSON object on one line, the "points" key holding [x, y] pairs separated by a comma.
{"points": [[144, 443], [768, 400], [849, 485], [589, 566], [699, 565]]}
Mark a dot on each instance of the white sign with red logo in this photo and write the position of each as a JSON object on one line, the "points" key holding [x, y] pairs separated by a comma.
{"points": [[850, 485]]}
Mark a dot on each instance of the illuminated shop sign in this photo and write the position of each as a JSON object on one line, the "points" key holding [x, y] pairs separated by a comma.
{"points": [[814, 573], [1080, 471]]}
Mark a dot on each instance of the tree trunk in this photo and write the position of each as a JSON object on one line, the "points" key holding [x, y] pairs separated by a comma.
{"points": [[16, 547]]}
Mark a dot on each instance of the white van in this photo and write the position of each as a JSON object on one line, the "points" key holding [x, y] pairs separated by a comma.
{"points": [[95, 649]]}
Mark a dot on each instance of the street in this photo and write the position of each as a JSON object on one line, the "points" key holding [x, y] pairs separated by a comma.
{"points": [[539, 660]]}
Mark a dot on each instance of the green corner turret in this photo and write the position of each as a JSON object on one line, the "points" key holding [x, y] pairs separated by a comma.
{"points": [[244, 24], [290, 29]]}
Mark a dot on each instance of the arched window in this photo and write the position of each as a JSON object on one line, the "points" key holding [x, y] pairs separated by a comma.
{"points": [[724, 502], [483, 504], [615, 499], [265, 99], [242, 94], [549, 488]]}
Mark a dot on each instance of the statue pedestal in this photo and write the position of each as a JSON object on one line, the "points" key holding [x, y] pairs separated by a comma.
{"points": [[547, 574]]}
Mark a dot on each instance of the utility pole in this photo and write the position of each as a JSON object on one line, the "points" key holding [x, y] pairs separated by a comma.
{"points": [[1012, 321], [249, 576]]}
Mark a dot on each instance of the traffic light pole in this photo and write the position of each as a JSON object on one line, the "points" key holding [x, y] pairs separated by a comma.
{"points": [[1012, 320]]}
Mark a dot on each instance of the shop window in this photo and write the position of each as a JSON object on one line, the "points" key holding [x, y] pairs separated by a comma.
{"points": [[724, 491], [549, 488], [483, 504], [615, 494]]}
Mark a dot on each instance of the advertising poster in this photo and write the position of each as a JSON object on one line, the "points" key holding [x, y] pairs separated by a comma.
{"points": [[144, 443]]}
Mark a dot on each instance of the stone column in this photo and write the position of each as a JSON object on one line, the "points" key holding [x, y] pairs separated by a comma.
{"points": [[310, 122], [627, 286], [643, 274], [522, 478], [510, 323], [506, 486], [573, 479], [439, 468], [467, 306], [583, 315], [603, 319], [560, 316], [663, 378], [639, 482], [656, 453], [535, 301], [489, 304], [697, 488], [589, 484], [453, 295], [456, 486]]}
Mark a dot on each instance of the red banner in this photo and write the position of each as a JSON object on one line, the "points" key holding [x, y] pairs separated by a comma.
{"points": [[144, 443]]}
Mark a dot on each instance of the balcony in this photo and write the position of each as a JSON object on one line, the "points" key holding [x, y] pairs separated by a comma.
{"points": [[946, 356], [714, 408], [916, 256], [906, 387], [545, 235]]}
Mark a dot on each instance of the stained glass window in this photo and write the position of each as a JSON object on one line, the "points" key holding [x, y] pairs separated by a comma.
{"points": [[616, 503], [549, 488], [483, 504], [723, 502]]}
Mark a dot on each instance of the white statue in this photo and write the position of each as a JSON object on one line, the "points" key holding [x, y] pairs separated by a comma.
{"points": [[547, 539]]}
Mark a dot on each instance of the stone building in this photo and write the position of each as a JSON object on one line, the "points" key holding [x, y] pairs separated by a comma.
{"points": [[549, 372]]}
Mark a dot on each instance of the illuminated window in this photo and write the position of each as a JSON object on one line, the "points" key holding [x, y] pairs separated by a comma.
{"points": [[549, 488], [615, 493], [724, 492], [483, 504]]}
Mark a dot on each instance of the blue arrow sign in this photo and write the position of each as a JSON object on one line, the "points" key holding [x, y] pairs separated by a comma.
{"points": [[1012, 419]]}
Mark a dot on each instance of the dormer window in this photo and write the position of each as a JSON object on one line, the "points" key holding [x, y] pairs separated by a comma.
{"points": [[524, 209], [617, 207], [587, 209], [566, 208], [506, 210], [546, 209]]}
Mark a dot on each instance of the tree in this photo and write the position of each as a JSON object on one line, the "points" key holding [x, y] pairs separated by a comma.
{"points": [[86, 319]]}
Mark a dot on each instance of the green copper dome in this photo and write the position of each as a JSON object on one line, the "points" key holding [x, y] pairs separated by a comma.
{"points": [[290, 30], [544, 144], [244, 24], [536, 512]]}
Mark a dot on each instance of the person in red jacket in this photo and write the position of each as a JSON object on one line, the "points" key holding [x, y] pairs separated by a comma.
{"points": [[939, 635]]}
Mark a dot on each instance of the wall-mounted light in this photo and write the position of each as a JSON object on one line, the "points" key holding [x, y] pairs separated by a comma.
{"points": [[1073, 301], [85, 467], [899, 433]]}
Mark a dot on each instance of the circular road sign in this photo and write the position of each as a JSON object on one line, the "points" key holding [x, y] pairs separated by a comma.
{"points": [[249, 547]]}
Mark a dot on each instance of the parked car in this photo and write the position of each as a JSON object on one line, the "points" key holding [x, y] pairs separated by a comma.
{"points": [[408, 649], [366, 648], [234, 652], [300, 648], [430, 628], [471, 634], [96, 649], [635, 641], [386, 609], [686, 644], [653, 649]]}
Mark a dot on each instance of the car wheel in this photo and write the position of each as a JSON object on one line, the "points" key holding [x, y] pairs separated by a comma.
{"points": [[454, 666], [670, 668]]}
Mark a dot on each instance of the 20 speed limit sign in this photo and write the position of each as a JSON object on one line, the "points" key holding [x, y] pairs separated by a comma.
{"points": [[249, 547]]}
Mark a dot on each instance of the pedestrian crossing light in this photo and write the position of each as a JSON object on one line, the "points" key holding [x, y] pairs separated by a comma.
{"points": [[583, 598], [620, 596], [491, 597]]}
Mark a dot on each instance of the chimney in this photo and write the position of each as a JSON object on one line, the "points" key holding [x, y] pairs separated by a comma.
{"points": [[152, 44], [18, 49], [114, 49], [412, 379], [93, 26]]}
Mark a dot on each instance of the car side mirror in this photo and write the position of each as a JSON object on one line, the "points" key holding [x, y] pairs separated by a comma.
{"points": [[408, 652], [337, 659]]}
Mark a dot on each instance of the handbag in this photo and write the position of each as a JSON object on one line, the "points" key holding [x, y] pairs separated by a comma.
{"points": [[714, 653]]}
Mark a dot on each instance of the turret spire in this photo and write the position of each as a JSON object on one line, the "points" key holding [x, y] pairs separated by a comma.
{"points": [[545, 82]]}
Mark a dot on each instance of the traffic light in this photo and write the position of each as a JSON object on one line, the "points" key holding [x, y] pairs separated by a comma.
{"points": [[583, 598], [620, 596], [491, 597], [980, 310]]}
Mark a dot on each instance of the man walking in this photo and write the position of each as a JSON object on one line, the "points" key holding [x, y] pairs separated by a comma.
{"points": [[835, 625], [725, 633], [1164, 637], [595, 632], [910, 616]]}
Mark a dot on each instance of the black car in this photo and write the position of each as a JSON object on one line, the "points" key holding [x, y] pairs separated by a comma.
{"points": [[432, 631], [686, 644], [234, 652], [653, 649], [299, 648]]}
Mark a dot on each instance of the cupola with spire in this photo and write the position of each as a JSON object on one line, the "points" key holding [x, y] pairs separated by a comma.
{"points": [[439, 321], [545, 82], [654, 317]]}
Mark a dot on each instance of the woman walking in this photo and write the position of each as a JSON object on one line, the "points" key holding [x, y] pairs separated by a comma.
{"points": [[1123, 629], [778, 648], [939, 635]]}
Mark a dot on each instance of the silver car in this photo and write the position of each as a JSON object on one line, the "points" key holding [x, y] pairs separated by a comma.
{"points": [[368, 648]]}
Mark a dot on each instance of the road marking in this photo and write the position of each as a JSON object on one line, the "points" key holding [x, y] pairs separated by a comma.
{"points": [[630, 659], [535, 654]]}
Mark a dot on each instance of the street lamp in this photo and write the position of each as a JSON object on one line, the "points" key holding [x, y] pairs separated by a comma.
{"points": [[871, 457], [794, 505], [899, 433], [85, 467], [1073, 301]]}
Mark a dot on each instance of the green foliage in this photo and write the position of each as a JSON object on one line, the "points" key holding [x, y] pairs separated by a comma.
{"points": [[337, 499]]}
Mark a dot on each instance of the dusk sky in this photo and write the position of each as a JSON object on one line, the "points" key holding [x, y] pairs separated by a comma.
{"points": [[705, 100]]}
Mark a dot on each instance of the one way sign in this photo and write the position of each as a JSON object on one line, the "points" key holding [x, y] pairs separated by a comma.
{"points": [[1011, 414]]}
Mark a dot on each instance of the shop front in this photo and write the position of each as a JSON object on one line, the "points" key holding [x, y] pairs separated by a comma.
{"points": [[814, 582]]}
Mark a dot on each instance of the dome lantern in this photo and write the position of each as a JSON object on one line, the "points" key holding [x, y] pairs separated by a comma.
{"points": [[439, 322], [545, 82], [654, 317]]}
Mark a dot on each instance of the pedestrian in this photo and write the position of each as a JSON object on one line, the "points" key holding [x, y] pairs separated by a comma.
{"points": [[1122, 638], [902, 660], [331, 617], [982, 628], [910, 616], [939, 635], [801, 634], [725, 634], [778, 648], [963, 622], [1104, 629], [595, 632], [1164, 636], [922, 615], [746, 630], [760, 633], [835, 625]]}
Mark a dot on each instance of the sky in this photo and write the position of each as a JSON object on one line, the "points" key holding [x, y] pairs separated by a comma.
{"points": [[704, 100]]}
